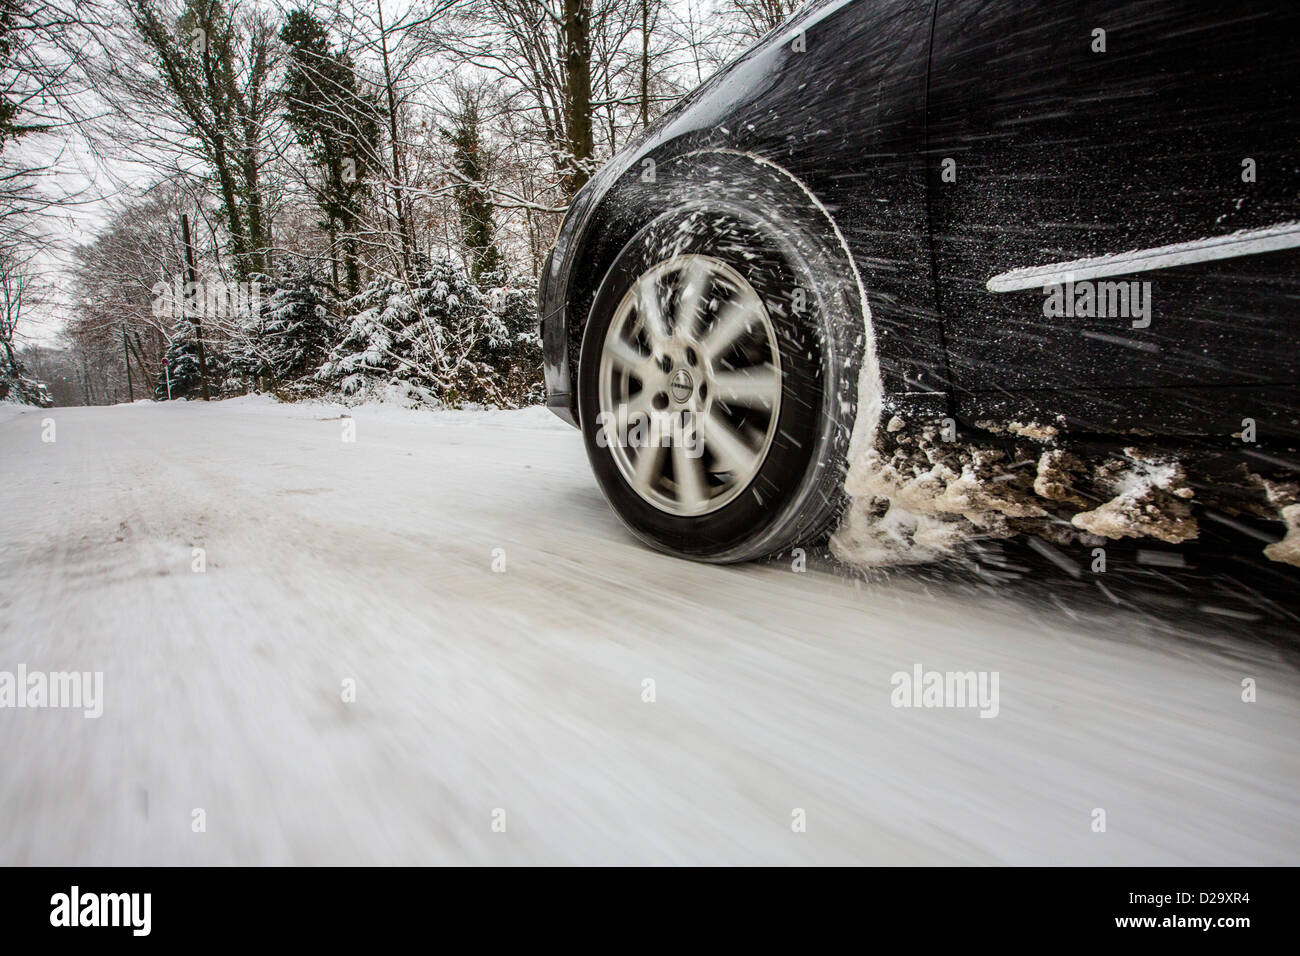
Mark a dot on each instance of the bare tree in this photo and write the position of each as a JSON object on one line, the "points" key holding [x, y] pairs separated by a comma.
{"points": [[553, 55], [396, 42], [757, 17], [44, 46], [116, 275], [190, 89]]}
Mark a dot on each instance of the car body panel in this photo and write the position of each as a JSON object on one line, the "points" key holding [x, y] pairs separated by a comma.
{"points": [[790, 102], [1061, 154], [1107, 131]]}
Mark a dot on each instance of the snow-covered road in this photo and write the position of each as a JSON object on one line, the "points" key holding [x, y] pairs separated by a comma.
{"points": [[523, 690]]}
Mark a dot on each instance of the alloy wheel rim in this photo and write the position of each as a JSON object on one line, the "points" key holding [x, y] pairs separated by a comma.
{"points": [[690, 385]]}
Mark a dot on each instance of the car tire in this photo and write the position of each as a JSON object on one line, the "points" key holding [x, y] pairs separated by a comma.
{"points": [[783, 483]]}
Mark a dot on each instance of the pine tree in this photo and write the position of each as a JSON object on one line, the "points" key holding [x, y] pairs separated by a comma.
{"points": [[299, 323], [9, 13], [440, 340], [180, 372], [336, 123], [515, 353], [283, 341], [250, 366], [469, 160], [365, 354]]}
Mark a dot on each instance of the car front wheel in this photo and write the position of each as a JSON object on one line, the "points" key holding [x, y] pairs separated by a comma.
{"points": [[716, 383]]}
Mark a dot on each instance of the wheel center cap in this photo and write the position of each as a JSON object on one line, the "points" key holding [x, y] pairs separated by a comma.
{"points": [[681, 386]]}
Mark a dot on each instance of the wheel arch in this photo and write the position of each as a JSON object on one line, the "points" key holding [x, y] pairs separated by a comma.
{"points": [[631, 202]]}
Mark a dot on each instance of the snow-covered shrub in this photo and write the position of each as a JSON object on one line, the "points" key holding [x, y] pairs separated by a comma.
{"points": [[19, 388], [440, 338], [286, 338], [179, 376], [515, 351]]}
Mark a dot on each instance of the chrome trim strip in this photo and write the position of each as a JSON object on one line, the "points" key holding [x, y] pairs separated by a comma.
{"points": [[1247, 242]]}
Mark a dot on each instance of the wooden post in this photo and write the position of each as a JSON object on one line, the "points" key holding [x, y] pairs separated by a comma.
{"points": [[191, 282]]}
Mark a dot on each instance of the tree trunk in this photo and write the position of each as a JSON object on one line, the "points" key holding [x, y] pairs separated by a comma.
{"points": [[191, 278], [126, 361], [577, 69], [138, 349], [334, 257], [85, 379], [399, 202], [645, 63], [259, 240]]}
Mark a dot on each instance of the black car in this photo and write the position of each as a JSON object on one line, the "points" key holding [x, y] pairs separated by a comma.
{"points": [[973, 265]]}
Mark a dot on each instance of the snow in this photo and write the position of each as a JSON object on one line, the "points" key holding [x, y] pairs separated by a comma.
{"points": [[1288, 549], [522, 690], [1149, 500], [380, 410], [9, 410]]}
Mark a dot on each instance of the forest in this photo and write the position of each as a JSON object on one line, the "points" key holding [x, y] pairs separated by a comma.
{"points": [[201, 199]]}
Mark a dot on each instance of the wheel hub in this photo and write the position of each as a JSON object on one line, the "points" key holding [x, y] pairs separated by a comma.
{"points": [[681, 386]]}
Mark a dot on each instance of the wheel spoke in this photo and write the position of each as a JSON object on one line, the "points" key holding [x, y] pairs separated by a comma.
{"points": [[640, 404], [627, 358], [651, 311], [732, 321], [691, 300], [756, 387], [649, 466], [717, 363], [689, 473], [729, 449]]}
